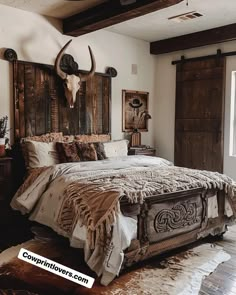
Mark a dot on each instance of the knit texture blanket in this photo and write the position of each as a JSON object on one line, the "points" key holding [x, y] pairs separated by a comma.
{"points": [[95, 201]]}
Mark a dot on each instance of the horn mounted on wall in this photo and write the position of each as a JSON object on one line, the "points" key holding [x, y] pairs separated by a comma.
{"points": [[72, 82]]}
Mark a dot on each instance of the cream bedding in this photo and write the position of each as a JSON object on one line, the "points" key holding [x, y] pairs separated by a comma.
{"points": [[137, 177], [43, 200]]}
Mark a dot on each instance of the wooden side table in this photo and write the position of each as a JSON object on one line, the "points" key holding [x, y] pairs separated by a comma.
{"points": [[5, 178], [14, 227], [5, 189], [142, 151]]}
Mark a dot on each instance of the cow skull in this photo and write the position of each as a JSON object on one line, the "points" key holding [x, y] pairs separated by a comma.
{"points": [[73, 82]]}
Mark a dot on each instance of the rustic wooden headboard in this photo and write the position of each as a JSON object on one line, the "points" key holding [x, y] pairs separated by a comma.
{"points": [[40, 106]]}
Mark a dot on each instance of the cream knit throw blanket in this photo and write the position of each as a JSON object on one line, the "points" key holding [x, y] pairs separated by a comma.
{"points": [[95, 201]]}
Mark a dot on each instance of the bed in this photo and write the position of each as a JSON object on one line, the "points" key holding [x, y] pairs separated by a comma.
{"points": [[120, 209], [125, 209]]}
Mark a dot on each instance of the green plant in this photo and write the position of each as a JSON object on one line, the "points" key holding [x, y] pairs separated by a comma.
{"points": [[3, 126]]}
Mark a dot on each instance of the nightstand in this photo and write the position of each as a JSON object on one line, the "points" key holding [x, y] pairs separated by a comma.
{"points": [[5, 189], [142, 151], [13, 226], [5, 178]]}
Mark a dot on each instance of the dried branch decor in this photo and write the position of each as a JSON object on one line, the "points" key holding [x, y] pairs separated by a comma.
{"points": [[3, 126]]}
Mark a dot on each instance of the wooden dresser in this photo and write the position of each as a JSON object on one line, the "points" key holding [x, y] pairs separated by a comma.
{"points": [[146, 151]]}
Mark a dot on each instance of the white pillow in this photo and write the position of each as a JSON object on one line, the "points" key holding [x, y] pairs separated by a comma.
{"points": [[41, 154], [116, 148]]}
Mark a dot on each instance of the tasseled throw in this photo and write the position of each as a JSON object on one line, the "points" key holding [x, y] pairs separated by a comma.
{"points": [[94, 202]]}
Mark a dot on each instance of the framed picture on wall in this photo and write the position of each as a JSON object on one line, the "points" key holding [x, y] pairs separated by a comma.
{"points": [[135, 110]]}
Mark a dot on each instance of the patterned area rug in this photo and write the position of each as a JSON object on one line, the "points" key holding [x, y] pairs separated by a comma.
{"points": [[179, 274]]}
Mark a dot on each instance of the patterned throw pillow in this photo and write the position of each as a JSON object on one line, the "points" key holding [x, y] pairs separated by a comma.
{"points": [[67, 152], [86, 151], [99, 147]]}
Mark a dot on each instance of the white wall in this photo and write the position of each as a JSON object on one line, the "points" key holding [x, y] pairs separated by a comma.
{"points": [[38, 39], [165, 102]]}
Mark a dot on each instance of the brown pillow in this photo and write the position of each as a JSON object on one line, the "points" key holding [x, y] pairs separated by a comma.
{"points": [[99, 147], [86, 151], [67, 152]]}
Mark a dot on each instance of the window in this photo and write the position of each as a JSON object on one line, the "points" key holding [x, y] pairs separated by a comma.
{"points": [[233, 116]]}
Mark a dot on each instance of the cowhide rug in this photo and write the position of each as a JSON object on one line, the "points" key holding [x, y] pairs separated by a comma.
{"points": [[180, 274]]}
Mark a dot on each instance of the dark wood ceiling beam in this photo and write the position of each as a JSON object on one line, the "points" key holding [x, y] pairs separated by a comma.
{"points": [[202, 38], [110, 13]]}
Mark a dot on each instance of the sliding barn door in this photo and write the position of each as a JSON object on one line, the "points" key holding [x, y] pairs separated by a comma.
{"points": [[199, 114]]}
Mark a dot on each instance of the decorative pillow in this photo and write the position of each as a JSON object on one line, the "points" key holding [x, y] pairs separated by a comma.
{"points": [[99, 147], [116, 148], [67, 152], [45, 138], [86, 151], [39, 154]]}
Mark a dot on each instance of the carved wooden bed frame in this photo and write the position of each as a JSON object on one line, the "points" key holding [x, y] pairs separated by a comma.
{"points": [[166, 221], [171, 220]]}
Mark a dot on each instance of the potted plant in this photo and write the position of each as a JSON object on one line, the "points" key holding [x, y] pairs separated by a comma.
{"points": [[3, 132]]}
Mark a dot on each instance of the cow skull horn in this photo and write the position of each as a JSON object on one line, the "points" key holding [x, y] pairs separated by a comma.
{"points": [[72, 82], [84, 77], [58, 61], [63, 75]]}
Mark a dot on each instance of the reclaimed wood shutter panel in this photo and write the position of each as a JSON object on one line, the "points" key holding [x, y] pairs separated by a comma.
{"points": [[199, 114], [41, 106]]}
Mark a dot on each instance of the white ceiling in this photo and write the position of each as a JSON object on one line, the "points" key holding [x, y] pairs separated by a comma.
{"points": [[156, 26], [150, 27], [54, 8]]}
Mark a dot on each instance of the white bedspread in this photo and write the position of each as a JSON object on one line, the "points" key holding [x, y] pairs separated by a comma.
{"points": [[44, 197]]}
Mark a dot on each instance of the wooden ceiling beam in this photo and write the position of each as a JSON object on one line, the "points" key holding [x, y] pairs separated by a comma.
{"points": [[110, 13], [202, 38]]}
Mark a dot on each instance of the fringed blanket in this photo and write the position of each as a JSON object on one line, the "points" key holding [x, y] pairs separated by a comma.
{"points": [[95, 201]]}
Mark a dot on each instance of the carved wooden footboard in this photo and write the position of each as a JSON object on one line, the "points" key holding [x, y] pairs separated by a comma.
{"points": [[172, 220]]}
